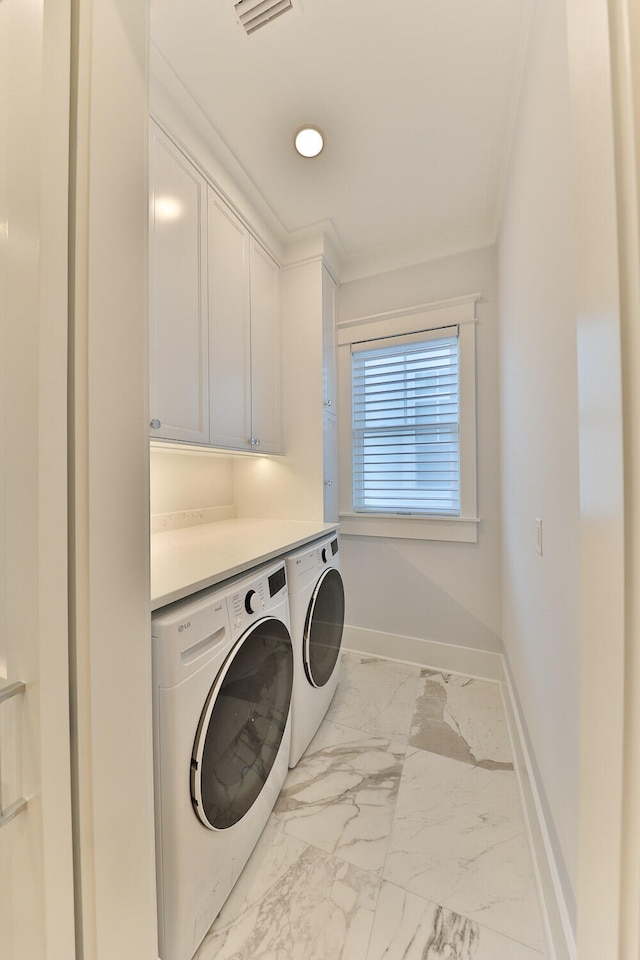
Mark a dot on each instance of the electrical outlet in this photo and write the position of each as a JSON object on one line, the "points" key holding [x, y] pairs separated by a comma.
{"points": [[538, 534]]}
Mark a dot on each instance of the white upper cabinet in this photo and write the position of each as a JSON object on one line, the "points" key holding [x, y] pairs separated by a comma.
{"points": [[229, 327], [244, 336], [215, 315], [266, 418], [179, 406]]}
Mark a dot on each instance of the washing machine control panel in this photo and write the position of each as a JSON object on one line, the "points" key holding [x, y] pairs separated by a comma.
{"points": [[253, 597], [245, 604]]}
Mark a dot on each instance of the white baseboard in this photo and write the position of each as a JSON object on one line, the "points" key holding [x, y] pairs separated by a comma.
{"points": [[487, 665], [560, 934], [482, 664]]}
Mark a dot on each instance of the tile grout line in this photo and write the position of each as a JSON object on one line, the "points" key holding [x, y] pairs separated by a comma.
{"points": [[505, 724], [477, 923]]}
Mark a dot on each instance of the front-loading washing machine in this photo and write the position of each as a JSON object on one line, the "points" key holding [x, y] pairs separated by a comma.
{"points": [[316, 603], [222, 687]]}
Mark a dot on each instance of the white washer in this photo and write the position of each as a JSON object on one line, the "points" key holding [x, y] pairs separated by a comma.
{"points": [[222, 685], [316, 603]]}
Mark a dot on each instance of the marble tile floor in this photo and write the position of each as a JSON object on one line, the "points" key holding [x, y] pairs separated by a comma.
{"points": [[399, 835]]}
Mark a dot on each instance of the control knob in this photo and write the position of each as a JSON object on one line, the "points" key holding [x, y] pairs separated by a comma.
{"points": [[325, 555], [252, 602]]}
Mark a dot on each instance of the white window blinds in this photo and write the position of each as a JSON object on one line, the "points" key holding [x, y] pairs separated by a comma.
{"points": [[405, 422]]}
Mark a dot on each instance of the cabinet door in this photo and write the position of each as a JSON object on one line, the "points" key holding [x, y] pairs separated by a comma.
{"points": [[266, 420], [178, 296], [329, 357], [229, 333], [330, 467]]}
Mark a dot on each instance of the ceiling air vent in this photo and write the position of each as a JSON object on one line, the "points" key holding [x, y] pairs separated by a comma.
{"points": [[253, 14]]}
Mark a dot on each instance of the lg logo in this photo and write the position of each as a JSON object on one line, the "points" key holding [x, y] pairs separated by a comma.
{"points": [[184, 626]]}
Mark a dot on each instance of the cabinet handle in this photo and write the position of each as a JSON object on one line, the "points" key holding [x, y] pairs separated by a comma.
{"points": [[328, 483], [155, 424], [255, 441], [328, 403]]}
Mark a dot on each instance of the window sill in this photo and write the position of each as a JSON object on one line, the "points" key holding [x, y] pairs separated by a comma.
{"points": [[456, 529]]}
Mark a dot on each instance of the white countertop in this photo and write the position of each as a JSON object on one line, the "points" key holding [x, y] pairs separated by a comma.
{"points": [[192, 558]]}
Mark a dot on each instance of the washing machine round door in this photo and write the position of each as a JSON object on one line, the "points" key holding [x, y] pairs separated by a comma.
{"points": [[242, 725], [323, 628]]}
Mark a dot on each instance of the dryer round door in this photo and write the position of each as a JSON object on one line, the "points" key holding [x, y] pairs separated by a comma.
{"points": [[242, 725], [323, 628]]}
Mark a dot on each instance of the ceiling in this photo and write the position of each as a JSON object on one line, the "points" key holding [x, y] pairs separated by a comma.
{"points": [[417, 99]]}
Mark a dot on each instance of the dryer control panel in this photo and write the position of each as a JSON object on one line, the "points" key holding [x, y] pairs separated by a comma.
{"points": [[328, 551], [304, 565]]}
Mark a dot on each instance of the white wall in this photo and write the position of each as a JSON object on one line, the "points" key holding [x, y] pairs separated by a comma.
{"points": [[449, 592], [36, 868], [189, 481], [109, 498], [621, 841], [539, 413], [606, 342]]}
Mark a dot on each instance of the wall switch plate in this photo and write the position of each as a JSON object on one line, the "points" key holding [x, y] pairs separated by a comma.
{"points": [[538, 529]]}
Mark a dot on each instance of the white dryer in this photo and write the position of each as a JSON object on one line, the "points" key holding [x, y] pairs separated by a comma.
{"points": [[222, 685], [316, 602]]}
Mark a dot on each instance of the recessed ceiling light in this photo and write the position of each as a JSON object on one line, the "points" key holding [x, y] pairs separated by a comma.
{"points": [[309, 141]]}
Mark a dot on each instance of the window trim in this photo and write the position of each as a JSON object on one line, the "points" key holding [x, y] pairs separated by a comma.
{"points": [[459, 312]]}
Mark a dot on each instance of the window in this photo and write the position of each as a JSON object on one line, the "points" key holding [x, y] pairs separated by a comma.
{"points": [[407, 423], [405, 410]]}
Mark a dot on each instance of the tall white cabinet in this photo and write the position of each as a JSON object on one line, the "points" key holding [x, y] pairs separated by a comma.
{"points": [[214, 315], [329, 398]]}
